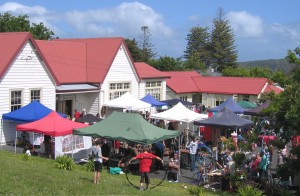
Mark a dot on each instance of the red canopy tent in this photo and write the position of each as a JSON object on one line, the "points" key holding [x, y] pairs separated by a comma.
{"points": [[52, 124]]}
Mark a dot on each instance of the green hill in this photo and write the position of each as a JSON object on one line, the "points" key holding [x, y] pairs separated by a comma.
{"points": [[273, 64]]}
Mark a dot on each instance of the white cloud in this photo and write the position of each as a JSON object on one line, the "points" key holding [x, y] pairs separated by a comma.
{"points": [[245, 24], [127, 18], [22, 9]]}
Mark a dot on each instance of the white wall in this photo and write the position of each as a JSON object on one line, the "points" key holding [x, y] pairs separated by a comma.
{"points": [[26, 72], [121, 71]]}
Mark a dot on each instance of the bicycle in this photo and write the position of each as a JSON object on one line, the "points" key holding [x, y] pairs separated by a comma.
{"points": [[205, 164]]}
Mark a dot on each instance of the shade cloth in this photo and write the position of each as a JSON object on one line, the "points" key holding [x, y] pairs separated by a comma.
{"points": [[130, 127], [89, 118], [29, 113], [179, 113], [172, 102], [247, 104], [151, 100], [231, 105], [257, 111], [52, 124], [225, 118], [127, 101]]}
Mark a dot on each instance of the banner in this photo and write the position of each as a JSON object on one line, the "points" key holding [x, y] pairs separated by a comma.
{"points": [[72, 144]]}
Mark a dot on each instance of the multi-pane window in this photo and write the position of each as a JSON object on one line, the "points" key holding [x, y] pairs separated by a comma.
{"points": [[35, 95], [15, 100], [118, 89], [184, 98], [154, 88]]}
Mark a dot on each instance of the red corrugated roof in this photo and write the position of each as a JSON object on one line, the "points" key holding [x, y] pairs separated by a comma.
{"points": [[100, 53], [67, 60], [230, 85], [146, 71], [270, 88], [181, 81], [10, 47]]}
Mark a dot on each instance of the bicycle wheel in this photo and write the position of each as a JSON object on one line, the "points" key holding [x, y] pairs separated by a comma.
{"points": [[206, 161]]}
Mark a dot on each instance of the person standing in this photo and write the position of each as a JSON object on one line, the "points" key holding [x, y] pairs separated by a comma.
{"points": [[192, 146], [145, 163], [159, 150], [262, 166], [98, 160], [76, 115], [174, 167]]}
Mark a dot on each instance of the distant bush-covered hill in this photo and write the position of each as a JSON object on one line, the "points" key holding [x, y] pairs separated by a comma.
{"points": [[273, 64]]}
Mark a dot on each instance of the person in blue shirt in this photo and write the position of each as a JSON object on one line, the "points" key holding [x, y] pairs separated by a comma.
{"points": [[159, 150]]}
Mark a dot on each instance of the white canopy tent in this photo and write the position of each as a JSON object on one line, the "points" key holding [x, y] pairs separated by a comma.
{"points": [[179, 113], [127, 101]]}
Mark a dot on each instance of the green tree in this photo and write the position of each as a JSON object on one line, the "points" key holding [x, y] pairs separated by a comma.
{"points": [[135, 51], [40, 32], [198, 46], [166, 63], [146, 45], [10, 23], [285, 107], [236, 72], [194, 63], [223, 50]]}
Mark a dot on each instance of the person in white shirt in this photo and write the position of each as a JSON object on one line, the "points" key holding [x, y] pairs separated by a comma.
{"points": [[193, 146], [98, 160]]}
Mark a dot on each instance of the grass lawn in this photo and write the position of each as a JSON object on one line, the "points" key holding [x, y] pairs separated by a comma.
{"points": [[39, 176]]}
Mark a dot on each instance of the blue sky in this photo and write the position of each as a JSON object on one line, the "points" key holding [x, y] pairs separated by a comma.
{"points": [[264, 29]]}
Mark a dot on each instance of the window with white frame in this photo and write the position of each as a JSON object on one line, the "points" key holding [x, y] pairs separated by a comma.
{"points": [[184, 98], [118, 89], [35, 95], [15, 100], [154, 88]]}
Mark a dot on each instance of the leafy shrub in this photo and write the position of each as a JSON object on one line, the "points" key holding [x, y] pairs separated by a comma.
{"points": [[196, 190], [249, 191], [89, 165], [64, 162], [238, 158]]}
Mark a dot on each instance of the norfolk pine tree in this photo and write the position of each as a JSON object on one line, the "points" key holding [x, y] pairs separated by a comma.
{"points": [[223, 50]]}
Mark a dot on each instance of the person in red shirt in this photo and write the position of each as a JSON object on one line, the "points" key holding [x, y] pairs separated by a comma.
{"points": [[117, 146], [145, 159], [76, 115]]}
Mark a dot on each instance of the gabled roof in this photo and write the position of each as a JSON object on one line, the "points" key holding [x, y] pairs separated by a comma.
{"points": [[10, 47], [274, 88], [230, 85], [181, 81], [66, 59], [100, 54], [146, 71]]}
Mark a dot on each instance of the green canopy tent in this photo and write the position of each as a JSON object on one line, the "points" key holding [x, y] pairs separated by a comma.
{"points": [[130, 127], [247, 104]]}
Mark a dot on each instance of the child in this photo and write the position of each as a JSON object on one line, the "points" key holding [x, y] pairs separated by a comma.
{"points": [[173, 168], [145, 163]]}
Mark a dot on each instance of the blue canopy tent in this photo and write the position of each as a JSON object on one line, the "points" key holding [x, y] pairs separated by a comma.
{"points": [[29, 113], [231, 105], [172, 102], [155, 103]]}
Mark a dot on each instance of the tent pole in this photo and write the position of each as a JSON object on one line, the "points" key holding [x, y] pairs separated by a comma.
{"points": [[16, 142], [72, 146]]}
